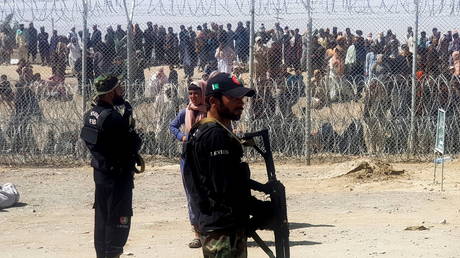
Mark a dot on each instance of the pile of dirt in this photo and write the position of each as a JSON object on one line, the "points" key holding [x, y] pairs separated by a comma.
{"points": [[374, 170]]}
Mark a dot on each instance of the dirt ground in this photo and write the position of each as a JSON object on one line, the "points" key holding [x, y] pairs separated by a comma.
{"points": [[331, 213], [45, 72]]}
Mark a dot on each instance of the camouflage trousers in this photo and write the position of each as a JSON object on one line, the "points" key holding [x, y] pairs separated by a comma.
{"points": [[225, 245]]}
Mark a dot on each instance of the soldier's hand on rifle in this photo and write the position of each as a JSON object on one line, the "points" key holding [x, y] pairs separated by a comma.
{"points": [[266, 188], [139, 162], [269, 187]]}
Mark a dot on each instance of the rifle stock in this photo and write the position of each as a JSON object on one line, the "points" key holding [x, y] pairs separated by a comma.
{"points": [[277, 194], [128, 116]]}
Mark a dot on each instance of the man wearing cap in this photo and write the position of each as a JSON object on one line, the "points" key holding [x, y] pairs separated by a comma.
{"points": [[113, 144], [218, 181]]}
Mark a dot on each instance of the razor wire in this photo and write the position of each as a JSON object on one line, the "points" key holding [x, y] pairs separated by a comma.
{"points": [[43, 10], [377, 124]]}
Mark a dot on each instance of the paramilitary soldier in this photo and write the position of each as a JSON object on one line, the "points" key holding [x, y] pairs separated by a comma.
{"points": [[219, 182], [114, 144]]}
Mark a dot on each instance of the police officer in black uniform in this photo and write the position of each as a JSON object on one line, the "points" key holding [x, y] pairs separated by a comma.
{"points": [[218, 181], [114, 144]]}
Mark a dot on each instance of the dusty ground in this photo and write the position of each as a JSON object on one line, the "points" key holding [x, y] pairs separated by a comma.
{"points": [[331, 214], [45, 71]]}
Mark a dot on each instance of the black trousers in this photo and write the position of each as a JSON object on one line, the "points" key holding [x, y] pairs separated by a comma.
{"points": [[113, 211], [32, 50], [148, 49]]}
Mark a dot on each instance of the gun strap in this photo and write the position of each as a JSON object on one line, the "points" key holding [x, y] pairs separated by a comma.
{"points": [[262, 244], [213, 120]]}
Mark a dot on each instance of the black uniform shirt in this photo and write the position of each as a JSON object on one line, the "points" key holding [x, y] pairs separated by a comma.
{"points": [[220, 182], [112, 155]]}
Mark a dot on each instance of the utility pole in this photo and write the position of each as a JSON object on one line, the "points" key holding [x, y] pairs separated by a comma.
{"points": [[308, 86], [414, 82], [307, 143], [84, 57], [251, 49], [278, 18], [129, 47]]}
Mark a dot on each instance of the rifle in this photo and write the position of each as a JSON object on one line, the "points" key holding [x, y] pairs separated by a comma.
{"points": [[277, 196], [128, 116]]}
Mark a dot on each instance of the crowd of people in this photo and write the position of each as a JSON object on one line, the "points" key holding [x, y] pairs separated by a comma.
{"points": [[337, 58], [278, 52], [107, 53], [334, 54]]}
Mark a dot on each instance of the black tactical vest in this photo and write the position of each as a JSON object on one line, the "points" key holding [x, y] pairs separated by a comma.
{"points": [[91, 134]]}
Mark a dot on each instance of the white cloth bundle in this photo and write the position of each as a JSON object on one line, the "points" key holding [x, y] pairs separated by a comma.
{"points": [[9, 196]]}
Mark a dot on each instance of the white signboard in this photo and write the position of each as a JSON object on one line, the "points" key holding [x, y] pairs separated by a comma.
{"points": [[440, 131]]}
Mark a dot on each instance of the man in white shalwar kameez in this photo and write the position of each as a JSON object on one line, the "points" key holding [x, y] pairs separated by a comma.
{"points": [[74, 53], [225, 57]]}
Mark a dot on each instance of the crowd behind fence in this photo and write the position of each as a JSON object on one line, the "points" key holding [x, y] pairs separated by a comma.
{"points": [[359, 88]]}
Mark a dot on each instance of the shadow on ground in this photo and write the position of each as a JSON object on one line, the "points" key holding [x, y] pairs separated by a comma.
{"points": [[295, 225], [19, 204], [291, 243], [292, 226]]}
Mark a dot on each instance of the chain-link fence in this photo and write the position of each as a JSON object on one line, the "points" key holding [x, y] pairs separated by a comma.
{"points": [[367, 78]]}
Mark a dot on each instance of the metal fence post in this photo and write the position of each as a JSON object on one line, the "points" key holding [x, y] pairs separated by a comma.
{"points": [[251, 47], [414, 82], [84, 55], [129, 49], [129, 60], [308, 86], [307, 144]]}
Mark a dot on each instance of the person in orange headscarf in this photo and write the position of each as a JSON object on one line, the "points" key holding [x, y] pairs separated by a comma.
{"points": [[194, 112]]}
